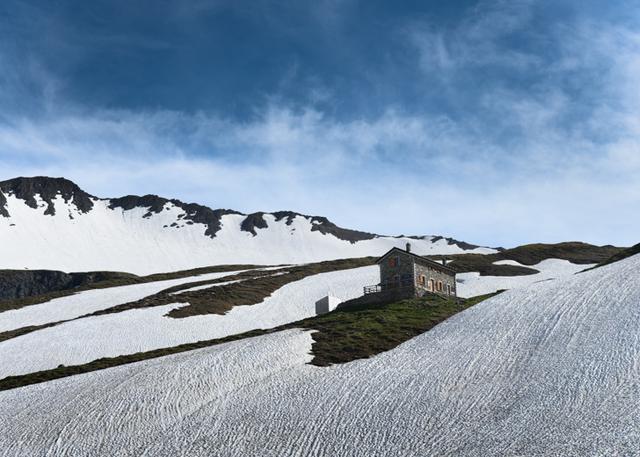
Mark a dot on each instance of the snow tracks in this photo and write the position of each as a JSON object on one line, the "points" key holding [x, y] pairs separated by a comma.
{"points": [[549, 369]]}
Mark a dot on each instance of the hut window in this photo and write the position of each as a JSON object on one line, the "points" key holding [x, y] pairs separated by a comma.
{"points": [[448, 289], [422, 280], [430, 285], [439, 286], [393, 262]]}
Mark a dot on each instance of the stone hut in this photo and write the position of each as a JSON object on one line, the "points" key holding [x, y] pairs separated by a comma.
{"points": [[404, 274]]}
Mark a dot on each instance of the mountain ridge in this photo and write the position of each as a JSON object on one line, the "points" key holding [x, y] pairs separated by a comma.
{"points": [[26, 188], [53, 224]]}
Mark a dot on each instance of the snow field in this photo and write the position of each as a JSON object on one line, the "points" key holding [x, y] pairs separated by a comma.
{"points": [[223, 371], [548, 369], [118, 240], [472, 284], [83, 340], [89, 301]]}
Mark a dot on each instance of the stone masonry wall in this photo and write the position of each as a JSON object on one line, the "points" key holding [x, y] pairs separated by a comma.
{"points": [[404, 266], [436, 275], [386, 296]]}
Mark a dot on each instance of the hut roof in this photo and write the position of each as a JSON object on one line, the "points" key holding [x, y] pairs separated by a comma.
{"points": [[419, 258]]}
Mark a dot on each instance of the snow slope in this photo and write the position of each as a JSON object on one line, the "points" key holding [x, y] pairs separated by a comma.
{"points": [[140, 241], [549, 369], [90, 301], [472, 284], [83, 340]]}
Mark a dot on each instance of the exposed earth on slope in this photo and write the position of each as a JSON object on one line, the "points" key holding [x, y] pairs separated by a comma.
{"points": [[529, 255]]}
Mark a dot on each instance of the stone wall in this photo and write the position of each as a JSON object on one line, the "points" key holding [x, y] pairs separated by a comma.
{"points": [[403, 267], [437, 275], [387, 296]]}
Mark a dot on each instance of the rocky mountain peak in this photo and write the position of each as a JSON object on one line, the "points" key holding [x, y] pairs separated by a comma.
{"points": [[26, 188], [194, 213]]}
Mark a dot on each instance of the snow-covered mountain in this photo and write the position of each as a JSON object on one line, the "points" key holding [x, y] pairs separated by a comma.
{"points": [[50, 223]]}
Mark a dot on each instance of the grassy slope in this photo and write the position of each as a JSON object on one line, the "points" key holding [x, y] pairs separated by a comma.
{"points": [[221, 299], [633, 250], [360, 332], [117, 279], [531, 254], [254, 288], [342, 336]]}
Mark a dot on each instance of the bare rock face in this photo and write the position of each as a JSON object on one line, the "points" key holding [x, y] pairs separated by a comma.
{"points": [[48, 189], [153, 203], [28, 283], [3, 205], [320, 224], [20, 284], [196, 214], [254, 221], [326, 227], [461, 244]]}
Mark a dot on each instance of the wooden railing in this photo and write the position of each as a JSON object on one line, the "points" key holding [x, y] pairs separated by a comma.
{"points": [[402, 284], [372, 289]]}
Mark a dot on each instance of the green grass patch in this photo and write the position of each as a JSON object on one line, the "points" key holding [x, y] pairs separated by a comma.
{"points": [[360, 332], [529, 254], [633, 250], [115, 279], [254, 287], [341, 336]]}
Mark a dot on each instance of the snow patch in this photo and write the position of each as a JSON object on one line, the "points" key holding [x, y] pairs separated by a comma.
{"points": [[472, 284], [83, 340], [90, 301], [126, 240]]}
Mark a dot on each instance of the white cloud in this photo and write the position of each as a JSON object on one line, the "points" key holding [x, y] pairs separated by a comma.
{"points": [[395, 174], [526, 164]]}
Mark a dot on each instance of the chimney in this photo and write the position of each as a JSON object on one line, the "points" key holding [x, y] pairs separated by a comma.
{"points": [[444, 261], [408, 247]]}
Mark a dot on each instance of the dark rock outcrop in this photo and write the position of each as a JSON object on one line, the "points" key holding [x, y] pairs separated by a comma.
{"points": [[153, 203], [461, 244], [254, 221], [48, 188], [29, 283], [326, 227], [289, 215], [4, 212], [203, 215], [319, 224], [194, 213]]}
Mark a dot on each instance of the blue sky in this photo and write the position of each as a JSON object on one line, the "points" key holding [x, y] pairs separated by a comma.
{"points": [[496, 122]]}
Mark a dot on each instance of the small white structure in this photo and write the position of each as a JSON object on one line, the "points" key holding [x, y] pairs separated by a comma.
{"points": [[326, 304]]}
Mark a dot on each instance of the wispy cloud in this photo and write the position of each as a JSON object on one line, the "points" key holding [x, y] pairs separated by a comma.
{"points": [[477, 40], [397, 174], [549, 150]]}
